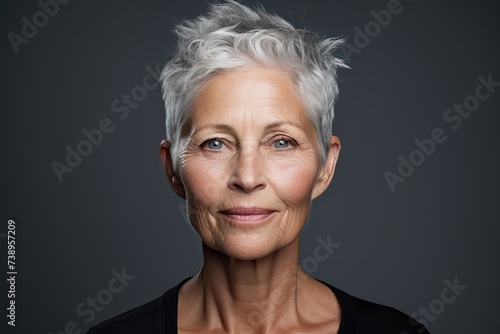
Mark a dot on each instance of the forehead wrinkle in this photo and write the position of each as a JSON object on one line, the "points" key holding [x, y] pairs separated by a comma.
{"points": [[250, 102], [252, 122]]}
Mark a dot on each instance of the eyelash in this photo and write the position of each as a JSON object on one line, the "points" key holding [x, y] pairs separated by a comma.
{"points": [[290, 142]]}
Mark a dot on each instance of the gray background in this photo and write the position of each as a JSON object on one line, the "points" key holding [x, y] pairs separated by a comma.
{"points": [[116, 209]]}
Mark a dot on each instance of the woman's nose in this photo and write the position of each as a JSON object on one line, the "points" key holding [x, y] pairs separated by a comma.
{"points": [[248, 171]]}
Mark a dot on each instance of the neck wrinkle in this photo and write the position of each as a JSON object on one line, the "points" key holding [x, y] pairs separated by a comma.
{"points": [[258, 295]]}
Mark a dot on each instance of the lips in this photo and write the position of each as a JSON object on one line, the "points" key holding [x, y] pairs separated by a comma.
{"points": [[247, 214]]}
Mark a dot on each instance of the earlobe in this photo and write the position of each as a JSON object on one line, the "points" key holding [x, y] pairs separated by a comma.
{"points": [[326, 175], [173, 179]]}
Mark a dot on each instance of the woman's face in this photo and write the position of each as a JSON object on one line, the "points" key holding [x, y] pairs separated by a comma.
{"points": [[253, 163]]}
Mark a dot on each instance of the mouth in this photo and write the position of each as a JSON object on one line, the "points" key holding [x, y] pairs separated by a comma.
{"points": [[247, 214]]}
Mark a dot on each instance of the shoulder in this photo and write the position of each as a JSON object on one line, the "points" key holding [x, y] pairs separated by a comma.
{"points": [[142, 319], [372, 317], [361, 316], [150, 318]]}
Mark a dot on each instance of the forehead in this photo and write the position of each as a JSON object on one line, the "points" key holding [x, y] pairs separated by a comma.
{"points": [[246, 93]]}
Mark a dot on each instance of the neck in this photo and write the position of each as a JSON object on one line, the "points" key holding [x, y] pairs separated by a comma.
{"points": [[250, 295], [255, 279]]}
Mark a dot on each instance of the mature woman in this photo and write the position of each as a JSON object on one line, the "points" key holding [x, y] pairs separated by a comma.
{"points": [[249, 109]]}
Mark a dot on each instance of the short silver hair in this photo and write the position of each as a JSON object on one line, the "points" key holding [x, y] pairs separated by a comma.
{"points": [[232, 36]]}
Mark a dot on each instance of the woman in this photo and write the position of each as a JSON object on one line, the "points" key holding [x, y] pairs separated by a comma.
{"points": [[249, 109]]}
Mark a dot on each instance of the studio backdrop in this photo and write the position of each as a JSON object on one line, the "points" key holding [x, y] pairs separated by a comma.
{"points": [[91, 228]]}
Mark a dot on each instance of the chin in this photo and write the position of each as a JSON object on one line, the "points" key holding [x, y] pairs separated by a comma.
{"points": [[250, 248]]}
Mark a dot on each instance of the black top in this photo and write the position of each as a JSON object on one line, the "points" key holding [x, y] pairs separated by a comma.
{"points": [[357, 317]]}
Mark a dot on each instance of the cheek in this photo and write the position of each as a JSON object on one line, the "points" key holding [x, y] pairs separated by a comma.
{"points": [[202, 181], [293, 180]]}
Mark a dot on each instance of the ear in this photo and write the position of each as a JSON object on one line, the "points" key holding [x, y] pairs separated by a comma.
{"points": [[326, 174], [173, 179]]}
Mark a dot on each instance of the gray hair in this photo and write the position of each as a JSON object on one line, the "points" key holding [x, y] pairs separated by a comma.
{"points": [[232, 36]]}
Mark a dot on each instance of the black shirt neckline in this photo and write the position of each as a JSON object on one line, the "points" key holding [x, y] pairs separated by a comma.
{"points": [[171, 300]]}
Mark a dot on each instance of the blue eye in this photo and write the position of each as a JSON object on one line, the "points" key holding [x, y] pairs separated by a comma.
{"points": [[214, 144], [282, 143]]}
